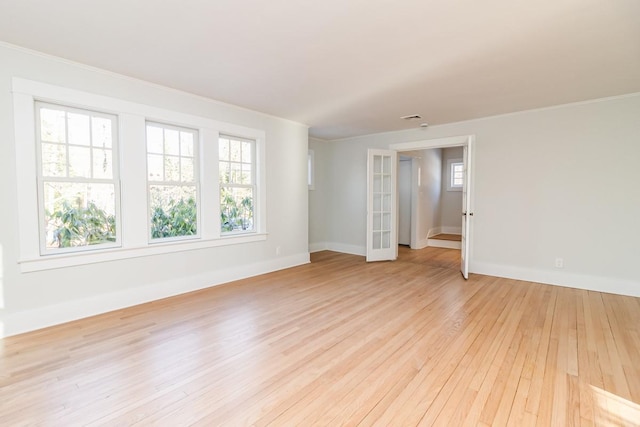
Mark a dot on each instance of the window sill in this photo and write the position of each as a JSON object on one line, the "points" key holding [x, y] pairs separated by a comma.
{"points": [[50, 262]]}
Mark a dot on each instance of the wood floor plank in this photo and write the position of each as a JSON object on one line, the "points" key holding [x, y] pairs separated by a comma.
{"points": [[338, 342]]}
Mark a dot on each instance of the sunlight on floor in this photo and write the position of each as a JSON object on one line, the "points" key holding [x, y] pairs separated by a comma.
{"points": [[612, 410]]}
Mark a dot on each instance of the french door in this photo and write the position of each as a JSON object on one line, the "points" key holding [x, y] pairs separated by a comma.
{"points": [[382, 227]]}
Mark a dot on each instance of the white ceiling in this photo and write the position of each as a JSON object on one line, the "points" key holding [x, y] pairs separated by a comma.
{"points": [[350, 67]]}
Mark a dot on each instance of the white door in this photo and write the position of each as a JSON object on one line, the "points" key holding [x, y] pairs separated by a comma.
{"points": [[467, 214], [382, 229]]}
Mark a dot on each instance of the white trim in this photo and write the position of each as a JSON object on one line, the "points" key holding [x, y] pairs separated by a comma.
{"points": [[447, 229], [347, 249], [132, 120], [447, 244], [80, 99], [433, 231], [420, 244], [411, 132], [124, 77], [452, 141], [317, 247], [556, 278], [51, 262], [29, 320]]}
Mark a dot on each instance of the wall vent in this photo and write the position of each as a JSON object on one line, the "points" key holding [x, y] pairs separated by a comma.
{"points": [[411, 117]]}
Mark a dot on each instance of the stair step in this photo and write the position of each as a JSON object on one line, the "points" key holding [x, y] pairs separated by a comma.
{"points": [[444, 236]]}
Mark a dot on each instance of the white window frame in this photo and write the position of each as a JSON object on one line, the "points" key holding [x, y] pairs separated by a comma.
{"points": [[132, 119], [196, 182], [41, 179], [252, 186], [451, 163]]}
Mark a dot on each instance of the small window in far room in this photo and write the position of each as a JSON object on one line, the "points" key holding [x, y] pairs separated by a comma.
{"points": [[311, 179], [456, 175]]}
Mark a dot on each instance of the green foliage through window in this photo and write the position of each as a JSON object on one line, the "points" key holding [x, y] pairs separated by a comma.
{"points": [[236, 210], [178, 218], [81, 226]]}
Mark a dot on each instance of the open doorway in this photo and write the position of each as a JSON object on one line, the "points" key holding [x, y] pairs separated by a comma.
{"points": [[382, 200], [430, 198]]}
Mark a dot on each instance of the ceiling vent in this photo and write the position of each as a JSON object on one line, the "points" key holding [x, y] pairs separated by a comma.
{"points": [[411, 117]]}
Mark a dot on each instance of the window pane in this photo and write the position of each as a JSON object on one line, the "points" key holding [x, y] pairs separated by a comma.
{"points": [[79, 214], [79, 133], [246, 152], [54, 161], [236, 169], [377, 221], [386, 187], [377, 164], [236, 209], [377, 240], [173, 211], [386, 164], [386, 240], [154, 140], [171, 168], [171, 142], [101, 129], [186, 169], [377, 202], [386, 221], [79, 162], [223, 150], [386, 207], [245, 178], [224, 172], [186, 144], [155, 167], [234, 147], [102, 164], [52, 125]]}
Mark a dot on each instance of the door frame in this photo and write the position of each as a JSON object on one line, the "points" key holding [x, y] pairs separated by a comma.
{"points": [[452, 141]]}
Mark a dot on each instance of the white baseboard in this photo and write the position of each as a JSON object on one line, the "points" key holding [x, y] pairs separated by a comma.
{"points": [[317, 247], [448, 244], [558, 278], [30, 320], [445, 229], [433, 231], [347, 249], [421, 244]]}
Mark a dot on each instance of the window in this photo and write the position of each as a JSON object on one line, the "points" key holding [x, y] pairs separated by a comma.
{"points": [[311, 173], [237, 184], [456, 175], [172, 181], [75, 150], [77, 178]]}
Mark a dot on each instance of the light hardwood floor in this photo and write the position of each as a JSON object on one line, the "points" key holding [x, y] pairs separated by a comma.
{"points": [[338, 342]]}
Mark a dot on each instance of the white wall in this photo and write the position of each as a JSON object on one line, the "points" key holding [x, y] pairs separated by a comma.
{"points": [[32, 300], [405, 182], [556, 182], [451, 201], [429, 192], [318, 196]]}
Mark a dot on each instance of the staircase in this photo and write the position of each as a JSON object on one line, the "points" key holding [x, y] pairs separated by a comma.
{"points": [[443, 240]]}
